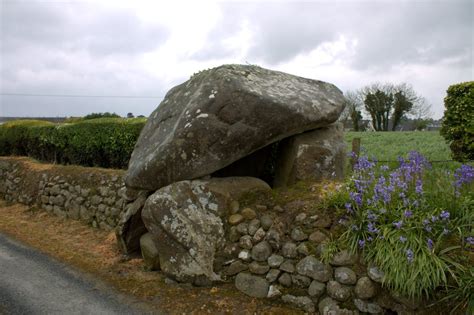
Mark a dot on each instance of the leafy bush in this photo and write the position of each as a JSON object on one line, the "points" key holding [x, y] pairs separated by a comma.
{"points": [[14, 135], [458, 123], [100, 115], [413, 223], [104, 142]]}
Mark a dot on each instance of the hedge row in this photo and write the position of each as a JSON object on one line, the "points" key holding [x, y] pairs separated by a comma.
{"points": [[458, 122], [106, 142]]}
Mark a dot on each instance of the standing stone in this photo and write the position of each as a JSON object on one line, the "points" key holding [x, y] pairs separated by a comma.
{"points": [[313, 155], [206, 123], [251, 285]]}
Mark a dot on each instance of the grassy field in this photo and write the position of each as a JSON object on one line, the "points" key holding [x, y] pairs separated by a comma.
{"points": [[387, 146]]}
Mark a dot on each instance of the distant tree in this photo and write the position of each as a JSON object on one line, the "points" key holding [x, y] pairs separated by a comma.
{"points": [[101, 115], [130, 115], [386, 103]]}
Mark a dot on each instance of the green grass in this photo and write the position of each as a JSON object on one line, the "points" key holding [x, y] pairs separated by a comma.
{"points": [[387, 146]]}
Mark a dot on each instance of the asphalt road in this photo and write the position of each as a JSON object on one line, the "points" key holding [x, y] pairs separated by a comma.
{"points": [[33, 283]]}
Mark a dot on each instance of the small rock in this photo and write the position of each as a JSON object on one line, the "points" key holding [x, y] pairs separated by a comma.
{"points": [[235, 219], [234, 207], [328, 306], [318, 237], [316, 289], [258, 269], [289, 250], [301, 281], [274, 291], [345, 275], [302, 249], [288, 266], [272, 275], [243, 228], [343, 258], [323, 222], [245, 255], [261, 207], [313, 268], [278, 209], [275, 260], [285, 280], [364, 288], [375, 274], [273, 238], [235, 268], [234, 235], [338, 292], [301, 217], [259, 235], [266, 221], [261, 251], [253, 226], [245, 242], [298, 235], [170, 281], [367, 307], [302, 302], [248, 213], [252, 285]]}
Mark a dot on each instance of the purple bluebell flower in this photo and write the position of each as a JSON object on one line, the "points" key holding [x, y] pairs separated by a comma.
{"points": [[361, 243], [445, 231], [403, 239], [407, 213], [357, 198], [428, 228], [426, 222], [384, 168], [371, 228], [434, 218], [398, 224], [444, 215], [371, 216], [470, 240], [349, 207], [430, 244], [410, 255], [370, 239], [383, 211], [419, 186], [354, 227]]}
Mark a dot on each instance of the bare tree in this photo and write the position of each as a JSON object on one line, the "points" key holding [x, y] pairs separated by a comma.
{"points": [[352, 111]]}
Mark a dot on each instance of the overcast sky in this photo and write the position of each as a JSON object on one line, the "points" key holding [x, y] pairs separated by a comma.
{"points": [[144, 48]]}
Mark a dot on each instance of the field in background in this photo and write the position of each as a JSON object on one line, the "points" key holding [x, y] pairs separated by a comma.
{"points": [[387, 146]]}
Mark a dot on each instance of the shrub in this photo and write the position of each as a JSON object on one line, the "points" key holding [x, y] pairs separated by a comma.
{"points": [[14, 135], [100, 115], [104, 142], [458, 122], [398, 220]]}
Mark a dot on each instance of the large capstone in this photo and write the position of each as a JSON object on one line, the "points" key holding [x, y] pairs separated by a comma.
{"points": [[186, 222], [222, 115]]}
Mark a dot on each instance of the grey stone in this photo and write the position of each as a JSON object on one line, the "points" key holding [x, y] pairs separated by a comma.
{"points": [[287, 266], [313, 268], [195, 131], [59, 200], [345, 275], [316, 289], [272, 275], [364, 288], [259, 235], [343, 258], [266, 221], [248, 213], [261, 208], [318, 237], [302, 249], [273, 238], [301, 281], [44, 199], [315, 155], [234, 235], [251, 285], [289, 250], [300, 218], [367, 307], [274, 291], [243, 228], [302, 302], [258, 269], [253, 227], [338, 291], [55, 190], [261, 251], [235, 268], [245, 255], [245, 242], [298, 235], [275, 260], [375, 274], [278, 208], [328, 306], [235, 219], [149, 252], [285, 280], [324, 222]]}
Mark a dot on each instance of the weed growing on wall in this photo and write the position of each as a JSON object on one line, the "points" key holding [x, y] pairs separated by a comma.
{"points": [[413, 222]]}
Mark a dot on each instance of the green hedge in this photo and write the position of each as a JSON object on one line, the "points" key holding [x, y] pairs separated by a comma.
{"points": [[105, 142], [458, 122]]}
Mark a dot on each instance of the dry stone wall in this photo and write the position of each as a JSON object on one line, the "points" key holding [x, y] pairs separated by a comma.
{"points": [[79, 193]]}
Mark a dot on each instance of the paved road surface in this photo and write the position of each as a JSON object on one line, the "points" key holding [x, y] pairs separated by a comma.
{"points": [[32, 283]]}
